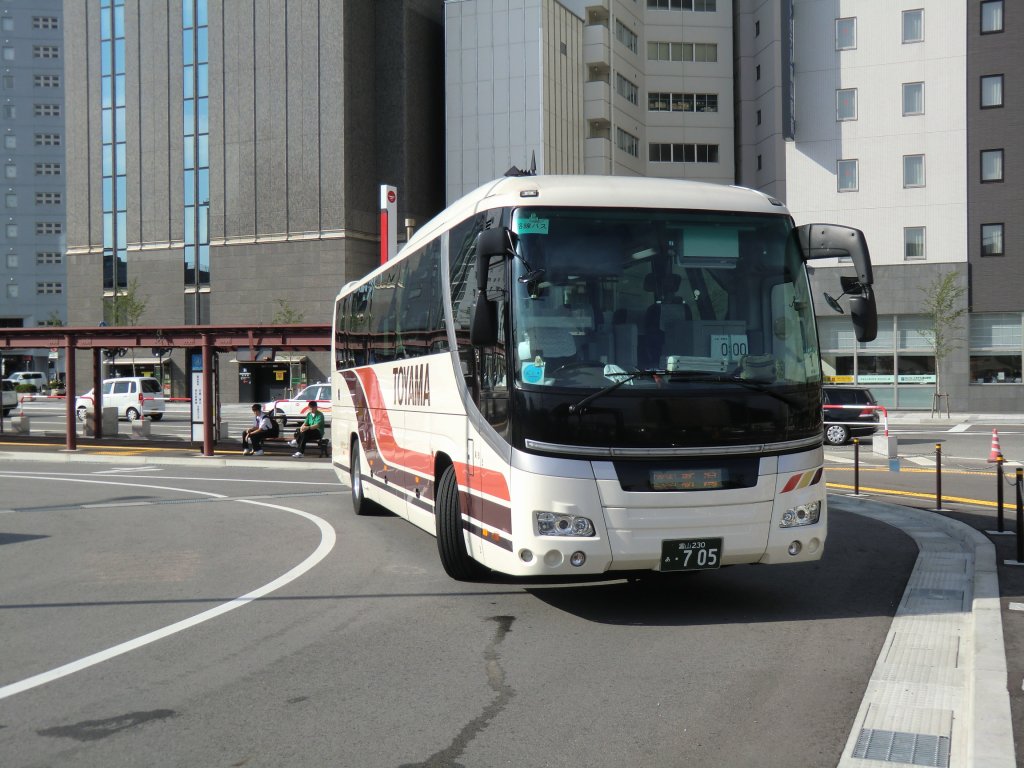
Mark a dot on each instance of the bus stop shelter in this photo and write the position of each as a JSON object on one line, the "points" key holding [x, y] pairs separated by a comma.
{"points": [[210, 339]]}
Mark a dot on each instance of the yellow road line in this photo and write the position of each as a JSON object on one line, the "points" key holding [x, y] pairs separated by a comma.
{"points": [[105, 449], [914, 494], [919, 470]]}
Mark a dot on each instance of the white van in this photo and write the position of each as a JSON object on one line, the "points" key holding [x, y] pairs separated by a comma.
{"points": [[133, 396], [36, 378]]}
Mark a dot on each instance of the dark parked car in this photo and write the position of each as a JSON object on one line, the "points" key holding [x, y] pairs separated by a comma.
{"points": [[843, 423]]}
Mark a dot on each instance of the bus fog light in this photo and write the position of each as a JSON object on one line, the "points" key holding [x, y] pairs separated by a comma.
{"points": [[795, 547], [576, 559], [552, 524], [802, 514], [526, 555], [553, 558]]}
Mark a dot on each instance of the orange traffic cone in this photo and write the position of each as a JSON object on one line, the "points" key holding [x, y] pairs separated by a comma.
{"points": [[996, 452]]}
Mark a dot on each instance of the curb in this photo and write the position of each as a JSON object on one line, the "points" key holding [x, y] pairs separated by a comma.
{"points": [[74, 457], [940, 679]]}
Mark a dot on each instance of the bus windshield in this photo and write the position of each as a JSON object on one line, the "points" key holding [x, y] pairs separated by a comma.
{"points": [[598, 294]]}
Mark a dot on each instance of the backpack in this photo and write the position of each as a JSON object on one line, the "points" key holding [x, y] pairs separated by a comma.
{"points": [[275, 428]]}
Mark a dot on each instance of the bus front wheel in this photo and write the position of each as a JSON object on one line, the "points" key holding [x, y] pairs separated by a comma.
{"points": [[451, 539], [359, 502]]}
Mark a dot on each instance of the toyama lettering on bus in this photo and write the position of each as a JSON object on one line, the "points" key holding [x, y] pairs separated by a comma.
{"points": [[412, 384]]}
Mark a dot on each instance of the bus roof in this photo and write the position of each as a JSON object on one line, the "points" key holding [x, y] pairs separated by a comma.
{"points": [[598, 192]]}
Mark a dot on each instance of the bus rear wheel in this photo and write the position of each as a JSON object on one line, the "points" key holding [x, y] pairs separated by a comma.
{"points": [[451, 539]]}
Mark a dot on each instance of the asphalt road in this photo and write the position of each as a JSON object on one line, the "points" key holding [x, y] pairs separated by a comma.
{"points": [[360, 652]]}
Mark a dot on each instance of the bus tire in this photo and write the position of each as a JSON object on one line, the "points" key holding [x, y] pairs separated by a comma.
{"points": [[451, 539], [359, 502]]}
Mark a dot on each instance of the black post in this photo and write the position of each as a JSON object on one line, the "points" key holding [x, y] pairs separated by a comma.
{"points": [[999, 493], [938, 476], [1020, 516], [856, 466]]}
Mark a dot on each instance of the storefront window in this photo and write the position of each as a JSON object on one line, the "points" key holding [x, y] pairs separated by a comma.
{"points": [[995, 369]]}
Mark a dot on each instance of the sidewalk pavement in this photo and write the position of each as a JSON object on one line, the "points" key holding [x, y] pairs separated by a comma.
{"points": [[938, 694]]}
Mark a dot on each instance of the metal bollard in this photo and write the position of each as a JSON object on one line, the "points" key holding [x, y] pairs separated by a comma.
{"points": [[999, 494], [938, 477], [856, 466], [1020, 515]]}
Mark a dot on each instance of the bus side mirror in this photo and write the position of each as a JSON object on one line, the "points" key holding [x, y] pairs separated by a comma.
{"points": [[829, 241], [483, 328], [864, 315]]}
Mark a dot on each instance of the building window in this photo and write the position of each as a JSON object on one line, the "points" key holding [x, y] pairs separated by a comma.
{"points": [[913, 243], [757, 29], [47, 140], [48, 169], [49, 257], [11, 200], [683, 153], [49, 198], [7, 24], [759, 117], [46, 110], [847, 175], [12, 231], [846, 104], [682, 102], [11, 171], [8, 82], [46, 81], [45, 22], [10, 141], [627, 142], [846, 34], [45, 52], [759, 165], [913, 170], [991, 91], [995, 343], [12, 290], [913, 26], [8, 53], [12, 261], [696, 52], [991, 165], [626, 36], [913, 98], [757, 72], [627, 89], [991, 16], [10, 111], [992, 240], [49, 287], [49, 228]]}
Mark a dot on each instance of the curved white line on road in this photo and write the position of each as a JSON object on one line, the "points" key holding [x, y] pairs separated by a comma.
{"points": [[327, 541]]}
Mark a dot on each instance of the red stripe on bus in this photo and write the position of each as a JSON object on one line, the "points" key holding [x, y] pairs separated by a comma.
{"points": [[490, 482]]}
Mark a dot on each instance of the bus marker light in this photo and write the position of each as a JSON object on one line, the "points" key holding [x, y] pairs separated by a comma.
{"points": [[576, 559], [795, 547], [526, 555], [813, 545]]}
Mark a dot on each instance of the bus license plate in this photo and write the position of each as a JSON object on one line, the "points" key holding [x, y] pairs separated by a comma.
{"points": [[691, 554]]}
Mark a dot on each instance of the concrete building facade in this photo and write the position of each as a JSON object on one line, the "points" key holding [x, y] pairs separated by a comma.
{"points": [[32, 89], [226, 158]]}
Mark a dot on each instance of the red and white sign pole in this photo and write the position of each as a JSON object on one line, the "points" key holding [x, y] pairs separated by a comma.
{"points": [[388, 222]]}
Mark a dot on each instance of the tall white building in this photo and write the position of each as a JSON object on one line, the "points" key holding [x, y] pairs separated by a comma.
{"points": [[604, 87]]}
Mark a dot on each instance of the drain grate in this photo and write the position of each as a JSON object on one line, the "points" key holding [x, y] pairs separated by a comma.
{"points": [[898, 747]]}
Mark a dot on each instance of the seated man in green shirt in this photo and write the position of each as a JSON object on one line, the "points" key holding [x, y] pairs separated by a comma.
{"points": [[312, 430]]}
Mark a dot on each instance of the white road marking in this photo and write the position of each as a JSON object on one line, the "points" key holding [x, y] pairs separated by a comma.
{"points": [[922, 461], [119, 470], [327, 541], [1016, 606], [960, 427]]}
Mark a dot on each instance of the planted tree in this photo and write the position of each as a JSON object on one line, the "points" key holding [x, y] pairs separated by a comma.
{"points": [[943, 307], [285, 314], [125, 307]]}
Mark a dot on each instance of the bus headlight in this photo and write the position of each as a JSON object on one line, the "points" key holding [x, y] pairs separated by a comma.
{"points": [[802, 514], [552, 524]]}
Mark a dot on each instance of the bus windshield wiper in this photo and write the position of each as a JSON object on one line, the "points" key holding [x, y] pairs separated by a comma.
{"points": [[622, 378]]}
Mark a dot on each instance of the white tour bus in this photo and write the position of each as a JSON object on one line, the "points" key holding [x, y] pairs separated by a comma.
{"points": [[577, 375]]}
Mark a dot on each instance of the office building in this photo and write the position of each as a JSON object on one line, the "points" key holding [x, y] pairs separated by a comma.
{"points": [[225, 160], [32, 124]]}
